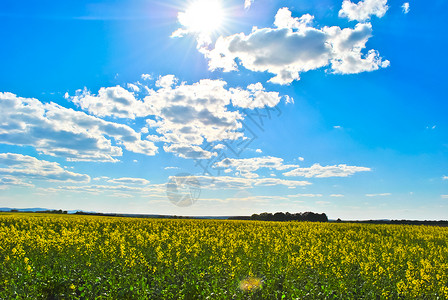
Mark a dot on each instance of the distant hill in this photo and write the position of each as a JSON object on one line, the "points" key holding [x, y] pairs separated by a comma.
{"points": [[6, 209]]}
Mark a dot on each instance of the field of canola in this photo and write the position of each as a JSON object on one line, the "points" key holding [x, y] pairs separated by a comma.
{"points": [[70, 257]]}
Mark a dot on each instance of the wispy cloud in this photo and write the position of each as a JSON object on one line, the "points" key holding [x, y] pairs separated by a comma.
{"points": [[129, 180], [248, 3], [230, 182], [8, 181], [405, 7], [32, 168], [305, 195], [319, 171], [378, 195], [247, 166]]}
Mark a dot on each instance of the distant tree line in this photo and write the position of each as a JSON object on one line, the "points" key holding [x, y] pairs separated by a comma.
{"points": [[54, 211], [280, 216]]}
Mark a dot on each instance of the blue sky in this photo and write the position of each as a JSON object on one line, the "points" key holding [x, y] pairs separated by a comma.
{"points": [[329, 106]]}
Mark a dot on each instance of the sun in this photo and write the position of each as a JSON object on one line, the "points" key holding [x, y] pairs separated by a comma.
{"points": [[203, 16]]}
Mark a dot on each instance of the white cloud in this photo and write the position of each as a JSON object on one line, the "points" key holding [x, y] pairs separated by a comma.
{"points": [[445, 177], [189, 151], [444, 196], [144, 130], [129, 180], [133, 87], [58, 131], [248, 3], [228, 182], [323, 202], [166, 81], [246, 166], [254, 96], [258, 198], [319, 171], [305, 195], [155, 189], [171, 168], [181, 116], [122, 195], [295, 47], [289, 99], [189, 115], [337, 127], [30, 167], [111, 101], [378, 195], [336, 195], [7, 181], [146, 77], [405, 7], [301, 158], [363, 10], [258, 151]]}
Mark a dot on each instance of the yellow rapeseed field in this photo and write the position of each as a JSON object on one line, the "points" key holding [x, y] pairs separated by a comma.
{"points": [[69, 256]]}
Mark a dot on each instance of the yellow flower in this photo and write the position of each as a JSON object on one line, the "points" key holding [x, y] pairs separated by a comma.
{"points": [[250, 284]]}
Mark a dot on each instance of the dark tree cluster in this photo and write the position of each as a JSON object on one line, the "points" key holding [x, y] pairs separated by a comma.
{"points": [[280, 216], [54, 211]]}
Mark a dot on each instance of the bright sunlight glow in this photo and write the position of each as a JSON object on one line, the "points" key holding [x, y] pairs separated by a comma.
{"points": [[203, 16]]}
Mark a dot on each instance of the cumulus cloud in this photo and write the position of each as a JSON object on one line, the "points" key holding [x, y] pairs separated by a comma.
{"points": [[294, 47], [133, 87], [319, 171], [183, 116], [254, 96], [445, 177], [336, 195], [58, 131], [363, 10], [129, 180], [30, 167], [111, 101], [189, 115], [166, 81], [405, 7]]}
